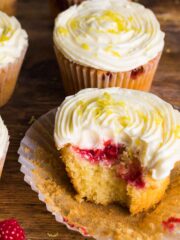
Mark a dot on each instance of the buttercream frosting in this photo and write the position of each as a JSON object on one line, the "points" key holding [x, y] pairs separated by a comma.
{"points": [[142, 121], [4, 139], [112, 35], [13, 39]]}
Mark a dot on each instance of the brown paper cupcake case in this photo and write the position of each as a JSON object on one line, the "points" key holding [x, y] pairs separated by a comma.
{"points": [[8, 78], [45, 173], [76, 77]]}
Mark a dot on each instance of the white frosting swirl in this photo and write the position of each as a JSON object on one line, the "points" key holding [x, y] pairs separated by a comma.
{"points": [[4, 139], [112, 35], [13, 39], [141, 120]]}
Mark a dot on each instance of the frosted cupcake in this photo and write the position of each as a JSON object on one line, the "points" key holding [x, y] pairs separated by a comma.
{"points": [[108, 43], [13, 46], [58, 6], [4, 143], [8, 6], [118, 145]]}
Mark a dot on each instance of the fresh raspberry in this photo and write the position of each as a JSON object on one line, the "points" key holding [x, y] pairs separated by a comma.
{"points": [[11, 230]]}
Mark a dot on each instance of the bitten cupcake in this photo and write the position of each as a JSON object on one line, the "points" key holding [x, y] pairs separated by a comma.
{"points": [[58, 6], [8, 6], [13, 46], [118, 145], [107, 43], [4, 143]]}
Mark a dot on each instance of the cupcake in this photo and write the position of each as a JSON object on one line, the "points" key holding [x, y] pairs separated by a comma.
{"points": [[8, 6], [4, 142], [107, 43], [118, 146], [13, 46], [58, 6]]}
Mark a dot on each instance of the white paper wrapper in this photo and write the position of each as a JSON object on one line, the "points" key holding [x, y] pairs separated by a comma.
{"points": [[2, 160], [45, 173]]}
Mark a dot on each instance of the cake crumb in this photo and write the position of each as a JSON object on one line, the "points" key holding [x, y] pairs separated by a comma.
{"points": [[32, 119], [26, 150], [53, 235], [168, 50]]}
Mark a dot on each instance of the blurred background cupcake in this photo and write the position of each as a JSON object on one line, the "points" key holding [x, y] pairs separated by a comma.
{"points": [[4, 143], [8, 6], [107, 43], [58, 6], [13, 46]]}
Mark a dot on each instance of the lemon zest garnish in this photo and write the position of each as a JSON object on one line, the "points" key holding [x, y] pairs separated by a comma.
{"points": [[130, 19], [62, 30], [85, 46], [74, 24], [177, 131], [142, 116], [115, 53], [158, 119], [125, 121], [138, 142], [108, 48], [6, 34]]}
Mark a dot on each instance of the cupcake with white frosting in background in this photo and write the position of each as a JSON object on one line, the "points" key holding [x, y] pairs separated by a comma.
{"points": [[13, 46], [4, 143], [107, 43], [118, 145], [8, 6]]}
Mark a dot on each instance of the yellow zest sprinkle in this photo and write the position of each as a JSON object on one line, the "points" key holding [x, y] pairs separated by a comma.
{"points": [[177, 131], [138, 142], [81, 107], [121, 103], [115, 17], [105, 104], [158, 119], [62, 30], [6, 34], [130, 19], [85, 46], [142, 116], [74, 24], [115, 53], [125, 121], [108, 48]]}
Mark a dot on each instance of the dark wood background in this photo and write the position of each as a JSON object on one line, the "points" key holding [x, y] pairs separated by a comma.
{"points": [[39, 89]]}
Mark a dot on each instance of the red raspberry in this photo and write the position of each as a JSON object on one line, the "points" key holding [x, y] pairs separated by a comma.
{"points": [[11, 230]]}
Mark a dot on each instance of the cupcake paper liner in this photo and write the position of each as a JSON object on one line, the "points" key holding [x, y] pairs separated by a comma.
{"points": [[2, 160], [45, 173], [8, 78], [8, 6], [76, 77]]}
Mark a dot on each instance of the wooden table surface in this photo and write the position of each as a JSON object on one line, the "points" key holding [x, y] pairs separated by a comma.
{"points": [[39, 89]]}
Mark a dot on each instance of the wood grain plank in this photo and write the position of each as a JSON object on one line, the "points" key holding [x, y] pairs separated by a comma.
{"points": [[39, 89]]}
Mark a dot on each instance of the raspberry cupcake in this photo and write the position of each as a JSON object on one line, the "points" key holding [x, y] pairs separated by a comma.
{"points": [[8, 6], [58, 6], [107, 43], [4, 143], [13, 46], [118, 145]]}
